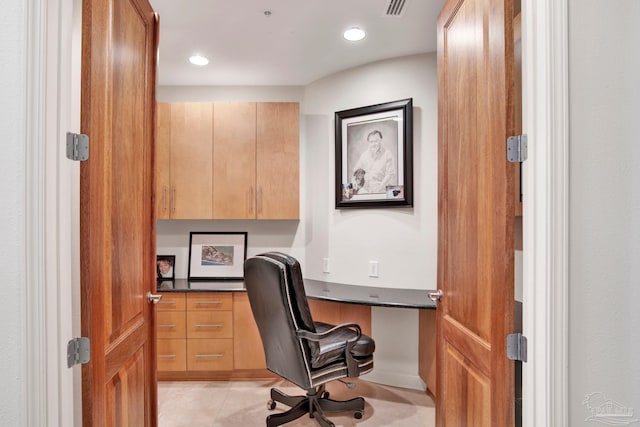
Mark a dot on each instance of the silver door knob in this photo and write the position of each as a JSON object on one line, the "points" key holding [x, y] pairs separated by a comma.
{"points": [[153, 298], [435, 296]]}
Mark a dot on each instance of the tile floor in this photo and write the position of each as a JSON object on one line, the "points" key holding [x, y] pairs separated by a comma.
{"points": [[244, 404]]}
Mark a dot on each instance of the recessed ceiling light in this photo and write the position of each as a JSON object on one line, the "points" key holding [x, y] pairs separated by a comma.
{"points": [[354, 34], [198, 60]]}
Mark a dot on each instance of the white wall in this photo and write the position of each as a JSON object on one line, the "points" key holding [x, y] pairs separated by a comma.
{"points": [[404, 240], [604, 206], [12, 224]]}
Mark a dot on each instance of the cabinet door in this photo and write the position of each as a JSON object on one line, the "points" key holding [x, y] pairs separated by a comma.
{"points": [[191, 160], [234, 160], [248, 352], [278, 160], [163, 159]]}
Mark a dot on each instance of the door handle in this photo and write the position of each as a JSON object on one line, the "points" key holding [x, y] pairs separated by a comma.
{"points": [[153, 298], [435, 296]]}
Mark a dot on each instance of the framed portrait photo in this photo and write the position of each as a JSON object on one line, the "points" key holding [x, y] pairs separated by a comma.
{"points": [[165, 265], [374, 156], [217, 255]]}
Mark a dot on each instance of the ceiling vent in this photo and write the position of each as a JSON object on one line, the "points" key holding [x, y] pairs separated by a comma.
{"points": [[394, 8]]}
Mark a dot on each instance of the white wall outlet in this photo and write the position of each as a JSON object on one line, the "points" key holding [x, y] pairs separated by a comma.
{"points": [[373, 268], [325, 265]]}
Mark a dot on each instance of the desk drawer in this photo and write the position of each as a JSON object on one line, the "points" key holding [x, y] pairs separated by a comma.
{"points": [[171, 302], [171, 324], [209, 301], [212, 324], [172, 355], [210, 355]]}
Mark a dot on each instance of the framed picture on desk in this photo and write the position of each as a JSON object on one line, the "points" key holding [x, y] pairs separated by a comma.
{"points": [[217, 255]]}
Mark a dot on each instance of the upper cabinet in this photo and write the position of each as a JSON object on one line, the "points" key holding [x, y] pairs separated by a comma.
{"points": [[277, 160], [184, 157], [245, 158]]}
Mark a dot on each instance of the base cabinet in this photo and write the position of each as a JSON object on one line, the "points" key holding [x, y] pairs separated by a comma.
{"points": [[208, 335]]}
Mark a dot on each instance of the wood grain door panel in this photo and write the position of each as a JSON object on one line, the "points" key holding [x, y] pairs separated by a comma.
{"points": [[234, 158], [163, 160], [248, 352], [117, 212], [191, 160], [475, 213], [278, 160]]}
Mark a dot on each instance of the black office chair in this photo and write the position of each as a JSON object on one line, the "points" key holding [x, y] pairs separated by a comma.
{"points": [[306, 353]]}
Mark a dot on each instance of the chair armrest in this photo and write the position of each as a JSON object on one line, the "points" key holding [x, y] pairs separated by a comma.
{"points": [[352, 363], [315, 336]]}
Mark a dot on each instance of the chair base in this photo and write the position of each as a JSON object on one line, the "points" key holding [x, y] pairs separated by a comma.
{"points": [[315, 403]]}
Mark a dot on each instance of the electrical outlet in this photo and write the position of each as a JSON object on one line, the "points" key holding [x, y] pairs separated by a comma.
{"points": [[325, 265], [373, 268]]}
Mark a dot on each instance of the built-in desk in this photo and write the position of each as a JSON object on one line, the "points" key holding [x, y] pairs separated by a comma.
{"points": [[329, 302]]}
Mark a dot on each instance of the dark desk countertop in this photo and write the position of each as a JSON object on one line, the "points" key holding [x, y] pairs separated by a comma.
{"points": [[321, 290]]}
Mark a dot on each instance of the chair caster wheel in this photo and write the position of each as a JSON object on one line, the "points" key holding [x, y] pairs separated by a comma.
{"points": [[271, 405], [325, 395], [358, 415]]}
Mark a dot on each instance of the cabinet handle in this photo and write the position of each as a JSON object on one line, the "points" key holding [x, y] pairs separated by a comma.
{"points": [[164, 198], [209, 356], [259, 202], [173, 198], [208, 302], [166, 326], [211, 325], [251, 200], [167, 356]]}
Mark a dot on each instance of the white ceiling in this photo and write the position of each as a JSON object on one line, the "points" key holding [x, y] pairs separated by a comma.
{"points": [[300, 42]]}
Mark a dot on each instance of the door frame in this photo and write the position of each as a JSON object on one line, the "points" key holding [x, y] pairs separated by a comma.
{"points": [[545, 115], [52, 181]]}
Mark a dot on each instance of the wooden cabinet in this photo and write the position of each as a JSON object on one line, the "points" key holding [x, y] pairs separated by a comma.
{"points": [[256, 160], [184, 158], [248, 352], [208, 335]]}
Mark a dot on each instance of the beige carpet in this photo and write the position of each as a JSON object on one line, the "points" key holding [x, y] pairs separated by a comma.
{"points": [[244, 404]]}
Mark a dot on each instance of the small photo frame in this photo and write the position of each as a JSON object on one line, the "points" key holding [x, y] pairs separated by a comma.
{"points": [[374, 156], [217, 255], [165, 266]]}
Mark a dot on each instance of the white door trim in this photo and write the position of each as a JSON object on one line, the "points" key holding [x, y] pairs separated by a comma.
{"points": [[50, 218], [545, 211]]}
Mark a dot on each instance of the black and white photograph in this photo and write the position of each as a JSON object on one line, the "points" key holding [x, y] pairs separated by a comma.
{"points": [[217, 255], [374, 155]]}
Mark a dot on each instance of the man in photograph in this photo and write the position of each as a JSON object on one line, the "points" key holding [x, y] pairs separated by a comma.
{"points": [[375, 168]]}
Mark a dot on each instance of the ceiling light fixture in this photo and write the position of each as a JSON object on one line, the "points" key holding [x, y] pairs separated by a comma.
{"points": [[198, 60], [354, 34]]}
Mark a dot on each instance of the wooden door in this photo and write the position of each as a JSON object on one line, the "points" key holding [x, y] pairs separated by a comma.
{"points": [[163, 161], [191, 160], [234, 159], [475, 381], [277, 161], [119, 43]]}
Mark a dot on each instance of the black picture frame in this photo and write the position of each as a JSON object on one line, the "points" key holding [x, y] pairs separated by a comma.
{"points": [[388, 128], [165, 267], [217, 255]]}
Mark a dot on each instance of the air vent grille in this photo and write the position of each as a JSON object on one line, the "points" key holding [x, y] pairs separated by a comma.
{"points": [[395, 8]]}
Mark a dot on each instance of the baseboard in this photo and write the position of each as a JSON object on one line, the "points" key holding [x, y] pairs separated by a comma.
{"points": [[395, 379]]}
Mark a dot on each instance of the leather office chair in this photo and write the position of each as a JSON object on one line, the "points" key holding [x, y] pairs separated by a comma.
{"points": [[306, 353]]}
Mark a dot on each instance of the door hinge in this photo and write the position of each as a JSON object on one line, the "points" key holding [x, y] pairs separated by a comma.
{"points": [[77, 146], [78, 351], [517, 347], [517, 148]]}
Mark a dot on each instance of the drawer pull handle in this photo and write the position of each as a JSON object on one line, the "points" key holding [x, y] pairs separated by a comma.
{"points": [[166, 356], [208, 302], [214, 325], [166, 326], [209, 356]]}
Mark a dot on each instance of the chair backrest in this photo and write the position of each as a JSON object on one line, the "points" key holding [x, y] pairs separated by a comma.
{"points": [[279, 305]]}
